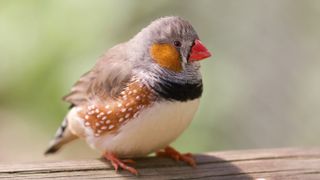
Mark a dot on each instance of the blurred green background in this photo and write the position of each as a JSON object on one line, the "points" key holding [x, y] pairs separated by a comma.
{"points": [[262, 86]]}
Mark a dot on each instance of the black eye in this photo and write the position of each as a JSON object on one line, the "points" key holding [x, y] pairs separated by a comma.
{"points": [[177, 43]]}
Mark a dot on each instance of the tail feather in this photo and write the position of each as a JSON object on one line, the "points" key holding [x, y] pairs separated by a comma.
{"points": [[63, 136]]}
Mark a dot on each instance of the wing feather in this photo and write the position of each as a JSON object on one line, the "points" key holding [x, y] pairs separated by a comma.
{"points": [[105, 80]]}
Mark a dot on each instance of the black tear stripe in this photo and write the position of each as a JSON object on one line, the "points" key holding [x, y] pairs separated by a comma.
{"points": [[178, 91]]}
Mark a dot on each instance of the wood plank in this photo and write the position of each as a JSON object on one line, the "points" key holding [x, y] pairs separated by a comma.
{"points": [[290, 163]]}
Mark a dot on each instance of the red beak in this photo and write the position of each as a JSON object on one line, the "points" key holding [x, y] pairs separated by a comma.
{"points": [[198, 51]]}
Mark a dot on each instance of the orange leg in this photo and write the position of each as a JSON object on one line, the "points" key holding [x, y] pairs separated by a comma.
{"points": [[116, 163], [174, 154]]}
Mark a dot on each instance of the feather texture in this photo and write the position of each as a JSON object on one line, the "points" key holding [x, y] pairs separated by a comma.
{"points": [[105, 80]]}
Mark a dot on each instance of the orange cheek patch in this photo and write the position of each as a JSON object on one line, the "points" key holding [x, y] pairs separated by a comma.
{"points": [[166, 56]]}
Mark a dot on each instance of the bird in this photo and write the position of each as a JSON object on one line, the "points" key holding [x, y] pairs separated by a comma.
{"points": [[139, 96]]}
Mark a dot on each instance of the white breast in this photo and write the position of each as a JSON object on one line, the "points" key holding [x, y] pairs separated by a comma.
{"points": [[155, 128]]}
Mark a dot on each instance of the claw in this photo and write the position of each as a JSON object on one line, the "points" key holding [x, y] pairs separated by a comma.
{"points": [[116, 163], [174, 154]]}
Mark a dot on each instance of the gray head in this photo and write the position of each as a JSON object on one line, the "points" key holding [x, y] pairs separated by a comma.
{"points": [[169, 47]]}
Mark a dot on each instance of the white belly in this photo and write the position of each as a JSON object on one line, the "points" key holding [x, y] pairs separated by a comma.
{"points": [[155, 128]]}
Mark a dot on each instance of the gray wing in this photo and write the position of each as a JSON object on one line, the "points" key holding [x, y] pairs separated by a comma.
{"points": [[106, 79]]}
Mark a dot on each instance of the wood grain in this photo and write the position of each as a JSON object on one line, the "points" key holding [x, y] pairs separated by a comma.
{"points": [[290, 163]]}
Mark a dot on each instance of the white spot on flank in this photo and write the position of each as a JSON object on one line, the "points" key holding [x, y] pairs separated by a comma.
{"points": [[119, 104], [111, 126], [104, 118], [97, 134], [130, 92], [121, 119], [138, 97], [87, 124], [97, 110], [134, 91], [130, 109], [123, 110], [91, 107], [97, 124], [91, 112], [109, 112], [103, 127], [100, 115], [108, 122], [127, 115], [86, 117], [107, 106]]}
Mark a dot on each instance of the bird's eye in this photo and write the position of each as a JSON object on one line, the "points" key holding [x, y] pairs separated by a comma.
{"points": [[177, 43]]}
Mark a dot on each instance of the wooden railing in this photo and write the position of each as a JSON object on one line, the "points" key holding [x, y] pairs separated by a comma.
{"points": [[261, 164]]}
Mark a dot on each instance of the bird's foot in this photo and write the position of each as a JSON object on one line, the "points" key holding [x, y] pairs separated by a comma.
{"points": [[174, 154], [116, 163]]}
